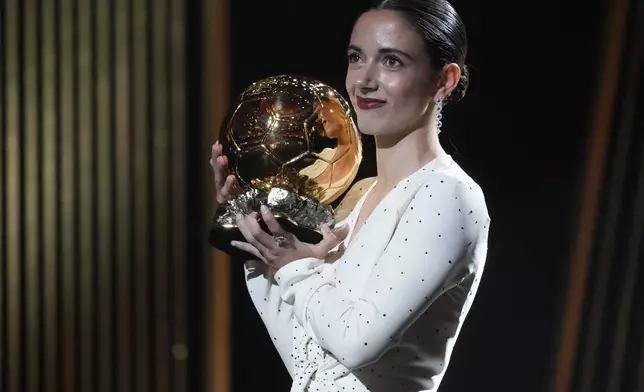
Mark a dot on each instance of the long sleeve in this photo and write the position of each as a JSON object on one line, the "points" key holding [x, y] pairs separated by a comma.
{"points": [[276, 315], [431, 249]]}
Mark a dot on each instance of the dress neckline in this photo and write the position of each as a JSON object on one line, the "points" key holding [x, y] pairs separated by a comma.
{"points": [[355, 214]]}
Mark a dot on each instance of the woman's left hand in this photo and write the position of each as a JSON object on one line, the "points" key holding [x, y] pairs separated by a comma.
{"points": [[279, 247]]}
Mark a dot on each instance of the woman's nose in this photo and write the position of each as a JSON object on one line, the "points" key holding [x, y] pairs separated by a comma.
{"points": [[367, 82], [368, 88]]}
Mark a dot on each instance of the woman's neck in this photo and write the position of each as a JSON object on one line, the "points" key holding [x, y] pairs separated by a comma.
{"points": [[399, 156]]}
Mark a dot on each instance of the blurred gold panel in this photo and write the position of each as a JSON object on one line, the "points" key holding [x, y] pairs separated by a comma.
{"points": [[93, 206], [583, 331], [215, 105]]}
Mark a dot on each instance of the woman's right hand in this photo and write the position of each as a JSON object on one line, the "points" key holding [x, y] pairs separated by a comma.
{"points": [[226, 186]]}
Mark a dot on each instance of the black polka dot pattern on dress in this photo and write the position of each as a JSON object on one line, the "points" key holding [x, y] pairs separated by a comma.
{"points": [[375, 302]]}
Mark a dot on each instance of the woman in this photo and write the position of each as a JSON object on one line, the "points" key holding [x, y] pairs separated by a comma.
{"points": [[384, 312]]}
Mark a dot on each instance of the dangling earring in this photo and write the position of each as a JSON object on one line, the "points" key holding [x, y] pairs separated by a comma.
{"points": [[439, 115]]}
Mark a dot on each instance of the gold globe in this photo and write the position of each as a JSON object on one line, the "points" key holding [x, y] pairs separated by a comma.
{"points": [[295, 133], [292, 143]]}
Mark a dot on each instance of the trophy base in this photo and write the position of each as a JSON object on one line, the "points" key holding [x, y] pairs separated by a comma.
{"points": [[220, 236]]}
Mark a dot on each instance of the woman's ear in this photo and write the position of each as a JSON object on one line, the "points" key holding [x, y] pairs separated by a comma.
{"points": [[449, 79]]}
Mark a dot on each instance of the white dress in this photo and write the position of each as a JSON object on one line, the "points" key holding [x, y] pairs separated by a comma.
{"points": [[386, 315]]}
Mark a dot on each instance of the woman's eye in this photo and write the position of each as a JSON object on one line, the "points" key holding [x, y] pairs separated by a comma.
{"points": [[353, 57], [392, 62]]}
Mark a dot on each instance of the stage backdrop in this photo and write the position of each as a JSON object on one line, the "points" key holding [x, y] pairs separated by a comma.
{"points": [[99, 197]]}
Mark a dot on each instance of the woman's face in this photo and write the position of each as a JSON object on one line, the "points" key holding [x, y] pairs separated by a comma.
{"points": [[388, 78]]}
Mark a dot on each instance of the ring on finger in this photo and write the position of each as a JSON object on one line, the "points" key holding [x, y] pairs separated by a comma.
{"points": [[280, 240]]}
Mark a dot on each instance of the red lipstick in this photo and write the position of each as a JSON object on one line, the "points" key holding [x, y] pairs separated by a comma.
{"points": [[367, 103]]}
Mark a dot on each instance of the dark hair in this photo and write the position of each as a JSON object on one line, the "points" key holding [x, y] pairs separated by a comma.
{"points": [[442, 30]]}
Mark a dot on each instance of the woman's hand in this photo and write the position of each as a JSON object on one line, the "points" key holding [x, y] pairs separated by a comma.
{"points": [[226, 186], [279, 247]]}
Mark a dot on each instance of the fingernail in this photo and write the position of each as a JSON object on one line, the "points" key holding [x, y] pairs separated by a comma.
{"points": [[238, 216], [264, 209], [233, 243]]}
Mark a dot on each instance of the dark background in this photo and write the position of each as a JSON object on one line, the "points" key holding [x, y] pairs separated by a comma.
{"points": [[520, 132], [107, 113]]}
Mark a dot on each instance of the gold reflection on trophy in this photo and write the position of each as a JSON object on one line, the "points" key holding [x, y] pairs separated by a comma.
{"points": [[295, 134]]}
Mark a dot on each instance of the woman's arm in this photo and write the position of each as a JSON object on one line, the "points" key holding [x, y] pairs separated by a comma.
{"points": [[276, 315], [431, 248]]}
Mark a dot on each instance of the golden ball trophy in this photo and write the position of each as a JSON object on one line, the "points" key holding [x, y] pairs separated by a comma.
{"points": [[292, 145]]}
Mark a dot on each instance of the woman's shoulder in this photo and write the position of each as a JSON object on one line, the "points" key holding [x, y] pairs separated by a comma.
{"points": [[451, 199], [451, 181]]}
